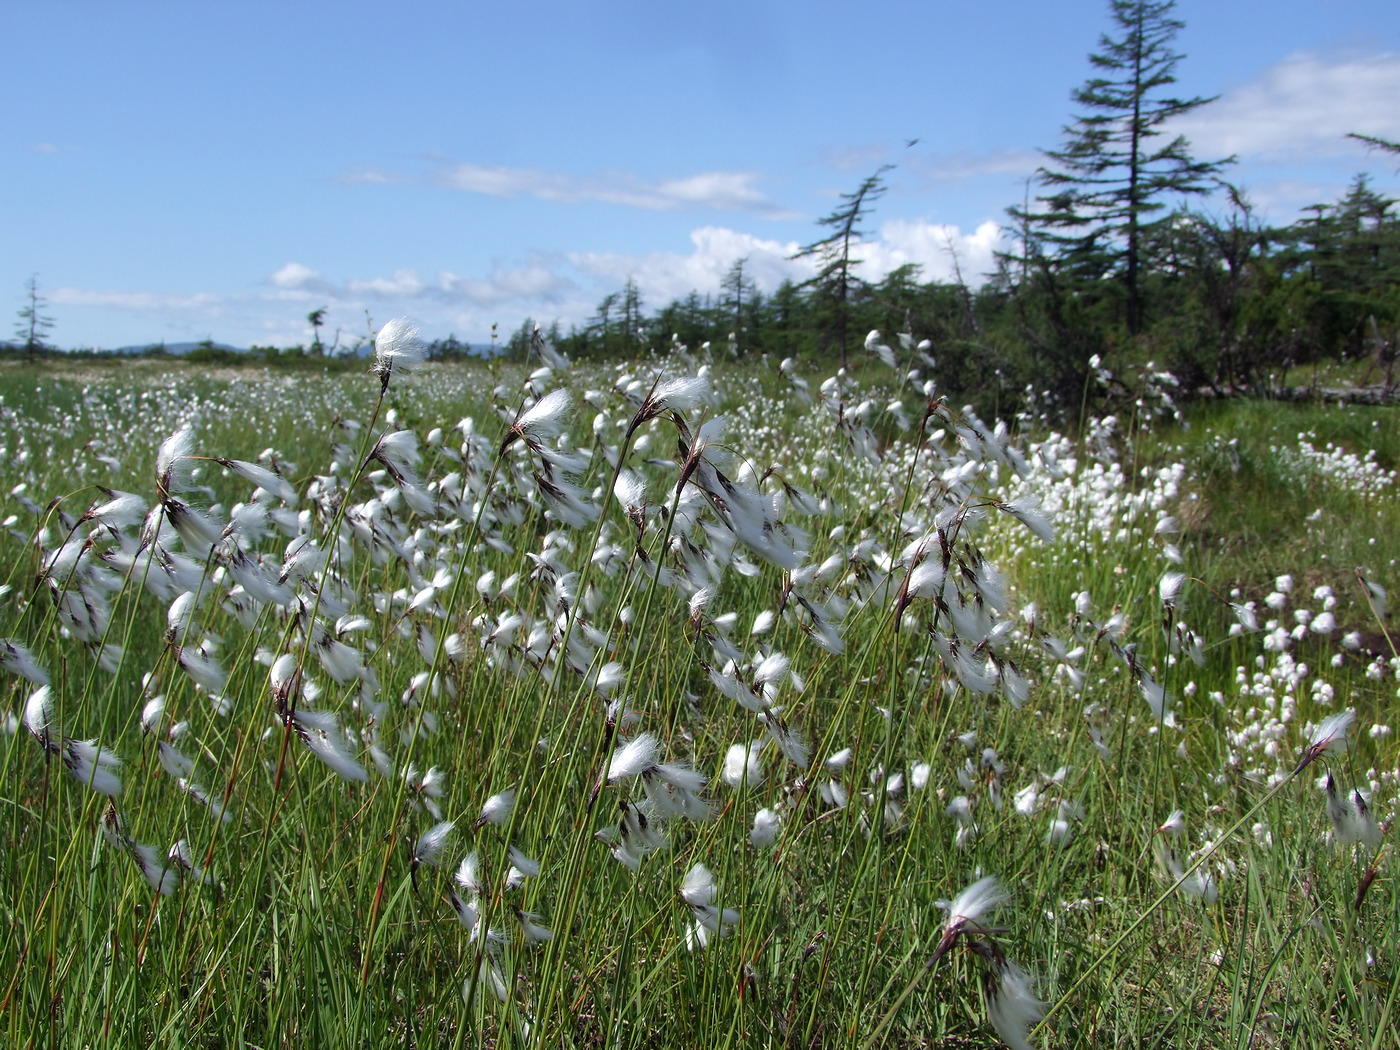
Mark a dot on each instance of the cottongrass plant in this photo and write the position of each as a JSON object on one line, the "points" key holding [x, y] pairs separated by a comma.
{"points": [[666, 704]]}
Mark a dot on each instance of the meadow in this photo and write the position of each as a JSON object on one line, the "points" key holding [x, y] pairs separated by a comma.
{"points": [[696, 701]]}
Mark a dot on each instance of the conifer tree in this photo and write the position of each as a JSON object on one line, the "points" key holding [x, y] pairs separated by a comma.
{"points": [[835, 280], [1113, 172], [34, 323]]}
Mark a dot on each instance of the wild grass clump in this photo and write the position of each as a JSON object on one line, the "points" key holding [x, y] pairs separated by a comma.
{"points": [[686, 703]]}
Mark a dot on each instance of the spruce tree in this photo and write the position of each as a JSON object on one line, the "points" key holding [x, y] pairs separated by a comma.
{"points": [[34, 323], [836, 283], [1113, 172]]}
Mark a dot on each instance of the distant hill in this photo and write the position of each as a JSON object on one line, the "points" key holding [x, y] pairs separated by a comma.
{"points": [[363, 350], [176, 349]]}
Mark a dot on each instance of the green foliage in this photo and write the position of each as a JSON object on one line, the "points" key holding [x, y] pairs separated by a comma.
{"points": [[323, 932]]}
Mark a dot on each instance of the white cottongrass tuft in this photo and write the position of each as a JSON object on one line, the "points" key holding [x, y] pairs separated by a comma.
{"points": [[1158, 699], [328, 743], [156, 868], [429, 849], [1245, 615], [121, 510], [698, 890], [179, 618], [741, 765], [1375, 592], [206, 671], [93, 765], [267, 480], [39, 718], [681, 394], [973, 904], [1012, 1006], [283, 677], [17, 659], [397, 348], [1328, 735], [766, 825], [497, 809], [541, 421], [174, 461], [1027, 510], [633, 758], [469, 875]]}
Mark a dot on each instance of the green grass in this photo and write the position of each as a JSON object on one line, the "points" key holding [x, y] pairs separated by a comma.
{"points": [[321, 932]]}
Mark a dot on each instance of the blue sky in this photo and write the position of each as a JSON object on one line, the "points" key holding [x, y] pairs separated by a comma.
{"points": [[186, 170]]}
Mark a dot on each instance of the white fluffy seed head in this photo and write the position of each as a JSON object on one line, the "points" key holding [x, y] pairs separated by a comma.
{"points": [[430, 847], [698, 889], [975, 903], [398, 348], [497, 808], [633, 758]]}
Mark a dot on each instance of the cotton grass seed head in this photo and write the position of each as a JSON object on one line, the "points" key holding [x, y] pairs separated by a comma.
{"points": [[1012, 1006], [17, 659], [1328, 735], [397, 348], [429, 849], [972, 905], [497, 809], [540, 422]]}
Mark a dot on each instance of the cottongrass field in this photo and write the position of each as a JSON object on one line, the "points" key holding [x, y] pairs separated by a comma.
{"points": [[693, 702]]}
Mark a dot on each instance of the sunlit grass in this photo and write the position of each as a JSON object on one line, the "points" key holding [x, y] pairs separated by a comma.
{"points": [[853, 588]]}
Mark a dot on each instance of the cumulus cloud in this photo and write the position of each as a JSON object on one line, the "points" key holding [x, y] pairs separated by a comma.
{"points": [[546, 286], [664, 276], [940, 251], [710, 190], [533, 282], [295, 277], [405, 284], [568, 286], [1301, 107]]}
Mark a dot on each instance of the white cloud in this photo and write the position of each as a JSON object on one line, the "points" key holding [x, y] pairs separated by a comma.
{"points": [[535, 282], [1302, 107], [664, 276], [566, 287], [368, 176], [711, 190], [939, 250], [403, 284], [295, 276]]}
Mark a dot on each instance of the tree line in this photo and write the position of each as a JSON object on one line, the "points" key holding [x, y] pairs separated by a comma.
{"points": [[1115, 256], [1111, 259]]}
